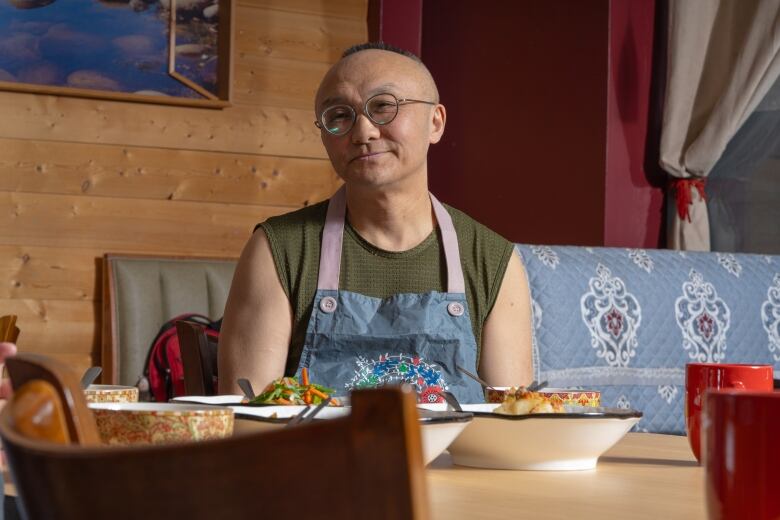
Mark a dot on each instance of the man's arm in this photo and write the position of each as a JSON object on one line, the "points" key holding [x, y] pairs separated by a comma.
{"points": [[506, 335], [257, 326]]}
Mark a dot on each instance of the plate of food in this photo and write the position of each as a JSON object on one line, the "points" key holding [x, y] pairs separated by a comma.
{"points": [[285, 391], [530, 431], [438, 428], [572, 396]]}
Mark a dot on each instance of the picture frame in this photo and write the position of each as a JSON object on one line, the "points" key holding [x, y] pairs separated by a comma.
{"points": [[175, 52]]}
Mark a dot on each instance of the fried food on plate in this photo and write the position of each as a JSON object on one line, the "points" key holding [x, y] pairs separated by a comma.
{"points": [[522, 402]]}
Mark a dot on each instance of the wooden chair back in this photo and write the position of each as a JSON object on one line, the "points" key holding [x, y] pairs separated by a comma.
{"points": [[27, 368], [365, 465], [8, 329], [38, 412], [198, 357]]}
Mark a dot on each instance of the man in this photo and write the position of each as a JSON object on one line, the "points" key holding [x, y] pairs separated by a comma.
{"points": [[394, 287]]}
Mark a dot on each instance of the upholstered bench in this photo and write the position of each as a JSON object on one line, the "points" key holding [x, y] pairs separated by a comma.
{"points": [[626, 321]]}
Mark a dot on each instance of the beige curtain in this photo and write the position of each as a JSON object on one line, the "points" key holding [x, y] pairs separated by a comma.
{"points": [[722, 58]]}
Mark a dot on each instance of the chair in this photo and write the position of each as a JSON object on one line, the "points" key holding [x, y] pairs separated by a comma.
{"points": [[368, 464], [141, 292], [79, 424], [198, 357], [8, 329]]}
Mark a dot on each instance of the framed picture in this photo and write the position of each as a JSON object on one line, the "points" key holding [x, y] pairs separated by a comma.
{"points": [[159, 51]]}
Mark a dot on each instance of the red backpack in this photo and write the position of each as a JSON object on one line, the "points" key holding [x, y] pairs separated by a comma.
{"points": [[163, 369]]}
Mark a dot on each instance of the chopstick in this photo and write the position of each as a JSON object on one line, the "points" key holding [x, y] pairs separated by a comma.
{"points": [[475, 377], [302, 418], [536, 385]]}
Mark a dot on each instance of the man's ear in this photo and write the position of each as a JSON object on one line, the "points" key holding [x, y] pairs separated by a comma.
{"points": [[438, 121]]}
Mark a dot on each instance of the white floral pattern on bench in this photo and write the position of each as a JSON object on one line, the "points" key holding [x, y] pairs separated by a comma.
{"points": [[626, 321]]}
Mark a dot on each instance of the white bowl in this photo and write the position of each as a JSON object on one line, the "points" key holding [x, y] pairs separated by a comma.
{"points": [[567, 441], [437, 432]]}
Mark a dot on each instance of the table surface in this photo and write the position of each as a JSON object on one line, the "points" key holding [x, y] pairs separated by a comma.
{"points": [[644, 476]]}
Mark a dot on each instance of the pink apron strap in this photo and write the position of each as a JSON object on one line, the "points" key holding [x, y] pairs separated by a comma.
{"points": [[333, 238], [455, 283]]}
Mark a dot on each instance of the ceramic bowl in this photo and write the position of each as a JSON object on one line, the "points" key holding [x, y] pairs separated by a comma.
{"points": [[111, 394], [565, 441], [153, 423], [561, 395], [437, 430]]}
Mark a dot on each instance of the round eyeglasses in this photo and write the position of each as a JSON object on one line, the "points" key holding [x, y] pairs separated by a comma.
{"points": [[381, 109]]}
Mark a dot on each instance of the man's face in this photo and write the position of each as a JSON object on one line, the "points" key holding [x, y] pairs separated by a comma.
{"points": [[372, 154]]}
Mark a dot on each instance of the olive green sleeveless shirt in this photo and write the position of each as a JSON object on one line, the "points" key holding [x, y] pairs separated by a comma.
{"points": [[295, 244]]}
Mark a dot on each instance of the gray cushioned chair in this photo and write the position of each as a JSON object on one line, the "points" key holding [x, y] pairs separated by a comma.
{"points": [[140, 293]]}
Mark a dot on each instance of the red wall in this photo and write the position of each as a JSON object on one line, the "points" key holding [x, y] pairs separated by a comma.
{"points": [[548, 105], [523, 151], [633, 194], [396, 21]]}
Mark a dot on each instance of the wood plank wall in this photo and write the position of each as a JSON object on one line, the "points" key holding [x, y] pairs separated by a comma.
{"points": [[81, 177]]}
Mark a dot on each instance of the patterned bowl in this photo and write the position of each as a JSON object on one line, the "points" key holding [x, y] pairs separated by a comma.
{"points": [[111, 394], [153, 423], [561, 395]]}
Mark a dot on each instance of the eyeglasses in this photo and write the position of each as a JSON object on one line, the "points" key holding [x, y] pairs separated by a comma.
{"points": [[380, 109]]}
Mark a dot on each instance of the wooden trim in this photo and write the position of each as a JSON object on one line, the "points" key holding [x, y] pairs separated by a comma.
{"points": [[224, 74], [224, 54], [108, 357], [189, 83], [195, 258], [112, 96]]}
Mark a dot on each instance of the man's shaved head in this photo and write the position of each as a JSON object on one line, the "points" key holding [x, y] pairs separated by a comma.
{"points": [[414, 68]]}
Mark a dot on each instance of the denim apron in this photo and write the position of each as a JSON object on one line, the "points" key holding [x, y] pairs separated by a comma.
{"points": [[357, 341]]}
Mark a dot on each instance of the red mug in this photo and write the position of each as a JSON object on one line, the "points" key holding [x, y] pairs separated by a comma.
{"points": [[740, 431], [700, 377]]}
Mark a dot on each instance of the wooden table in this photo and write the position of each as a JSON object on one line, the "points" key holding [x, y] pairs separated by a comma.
{"points": [[644, 476]]}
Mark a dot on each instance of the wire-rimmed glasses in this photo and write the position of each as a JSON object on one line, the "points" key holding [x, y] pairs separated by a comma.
{"points": [[381, 109]]}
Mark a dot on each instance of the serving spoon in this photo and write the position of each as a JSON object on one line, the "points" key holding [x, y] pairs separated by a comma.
{"points": [[533, 387], [246, 387]]}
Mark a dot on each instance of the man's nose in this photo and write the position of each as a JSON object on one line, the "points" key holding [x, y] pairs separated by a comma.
{"points": [[364, 130]]}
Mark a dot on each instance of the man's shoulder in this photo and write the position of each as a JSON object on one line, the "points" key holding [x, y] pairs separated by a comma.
{"points": [[471, 231], [305, 218]]}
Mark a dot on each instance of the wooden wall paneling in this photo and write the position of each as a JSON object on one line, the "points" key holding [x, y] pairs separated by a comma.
{"points": [[153, 173], [114, 224], [268, 33], [79, 363], [239, 129], [58, 326], [82, 177], [355, 9], [33, 272], [278, 82]]}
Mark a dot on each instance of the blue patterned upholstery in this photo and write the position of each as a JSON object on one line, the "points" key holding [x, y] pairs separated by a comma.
{"points": [[626, 321]]}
